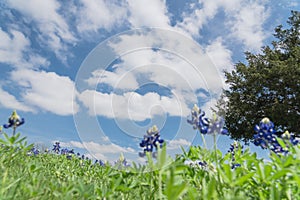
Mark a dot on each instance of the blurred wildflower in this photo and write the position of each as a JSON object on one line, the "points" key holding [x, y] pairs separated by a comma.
{"points": [[151, 140], [67, 152], [233, 148], [122, 162], [196, 163], [99, 162], [33, 151], [56, 147], [14, 121], [266, 137], [205, 125], [290, 137]]}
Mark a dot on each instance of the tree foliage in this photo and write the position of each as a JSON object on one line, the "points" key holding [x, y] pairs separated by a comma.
{"points": [[268, 85]]}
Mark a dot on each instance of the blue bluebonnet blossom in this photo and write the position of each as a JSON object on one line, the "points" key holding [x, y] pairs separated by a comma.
{"points": [[196, 163], [122, 162], [99, 162], [205, 125], [67, 152], [233, 148], [290, 137], [14, 121], [151, 140], [56, 147], [33, 151], [266, 137]]}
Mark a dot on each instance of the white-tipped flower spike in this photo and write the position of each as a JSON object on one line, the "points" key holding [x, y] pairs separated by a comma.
{"points": [[121, 158], [153, 130], [286, 135], [265, 120], [14, 121], [196, 108], [151, 141]]}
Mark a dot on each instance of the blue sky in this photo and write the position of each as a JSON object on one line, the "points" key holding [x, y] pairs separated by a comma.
{"points": [[95, 75]]}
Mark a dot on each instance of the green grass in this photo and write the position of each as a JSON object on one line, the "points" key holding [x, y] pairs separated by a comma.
{"points": [[52, 176]]}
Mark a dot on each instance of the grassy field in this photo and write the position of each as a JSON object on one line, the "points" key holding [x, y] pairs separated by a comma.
{"points": [[196, 174]]}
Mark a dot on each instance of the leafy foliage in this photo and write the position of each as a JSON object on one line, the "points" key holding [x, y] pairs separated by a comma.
{"points": [[268, 85], [55, 176]]}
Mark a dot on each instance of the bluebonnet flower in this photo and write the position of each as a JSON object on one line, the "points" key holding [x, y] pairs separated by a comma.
{"points": [[205, 125], [216, 125], [100, 162], [266, 137], [122, 162], [14, 121], [151, 140], [196, 163], [67, 152], [233, 148], [290, 137], [56, 147], [33, 151]]}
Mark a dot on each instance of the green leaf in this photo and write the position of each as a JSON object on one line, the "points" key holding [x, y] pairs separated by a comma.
{"points": [[241, 180]]}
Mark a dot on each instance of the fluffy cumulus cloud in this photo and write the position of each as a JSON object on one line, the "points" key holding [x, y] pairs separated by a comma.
{"points": [[131, 105], [198, 15], [148, 13], [176, 144], [7, 100], [178, 64], [99, 151], [248, 24], [13, 47], [244, 19], [94, 15], [221, 57], [53, 28], [119, 79], [47, 91]]}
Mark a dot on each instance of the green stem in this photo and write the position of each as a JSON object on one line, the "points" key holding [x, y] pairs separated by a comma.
{"points": [[14, 130], [160, 185], [203, 140], [215, 146], [216, 157]]}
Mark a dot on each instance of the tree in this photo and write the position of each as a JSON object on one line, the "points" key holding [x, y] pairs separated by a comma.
{"points": [[267, 86]]}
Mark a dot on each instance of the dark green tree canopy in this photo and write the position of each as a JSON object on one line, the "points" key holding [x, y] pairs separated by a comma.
{"points": [[267, 86]]}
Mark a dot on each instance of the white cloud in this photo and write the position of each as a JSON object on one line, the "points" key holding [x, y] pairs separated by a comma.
{"points": [[131, 105], [148, 13], [248, 24], [176, 144], [13, 46], [47, 91], [119, 79], [244, 18], [98, 14], [99, 151], [7, 100], [181, 66], [54, 30], [219, 54], [194, 19]]}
